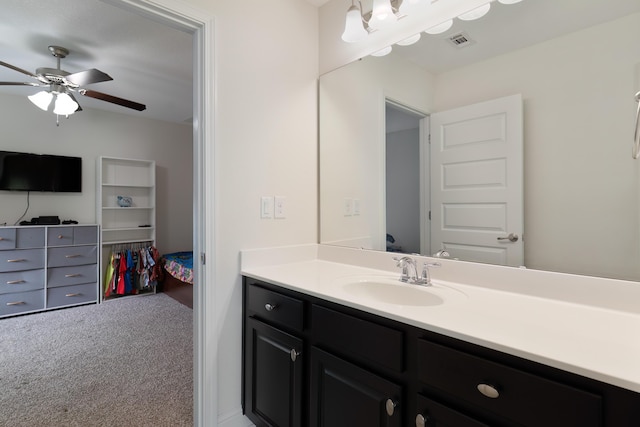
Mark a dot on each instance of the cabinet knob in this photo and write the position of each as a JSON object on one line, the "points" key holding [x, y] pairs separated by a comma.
{"points": [[294, 354], [489, 390], [421, 420], [270, 307], [390, 406]]}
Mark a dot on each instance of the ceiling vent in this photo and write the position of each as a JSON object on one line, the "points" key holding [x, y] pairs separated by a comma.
{"points": [[460, 40]]}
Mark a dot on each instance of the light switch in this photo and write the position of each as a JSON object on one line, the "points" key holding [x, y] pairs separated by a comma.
{"points": [[280, 207], [266, 207]]}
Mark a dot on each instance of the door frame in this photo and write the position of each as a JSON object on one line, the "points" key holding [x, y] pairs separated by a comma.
{"points": [[201, 25]]}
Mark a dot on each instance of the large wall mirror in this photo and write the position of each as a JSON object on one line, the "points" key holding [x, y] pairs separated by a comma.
{"points": [[575, 67]]}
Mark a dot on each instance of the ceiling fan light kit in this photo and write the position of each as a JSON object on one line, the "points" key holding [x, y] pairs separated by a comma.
{"points": [[60, 85]]}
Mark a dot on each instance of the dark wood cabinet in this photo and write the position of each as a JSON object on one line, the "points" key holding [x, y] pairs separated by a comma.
{"points": [[345, 395], [273, 376], [312, 362]]}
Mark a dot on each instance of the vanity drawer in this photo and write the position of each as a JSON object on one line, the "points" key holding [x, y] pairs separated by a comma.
{"points": [[21, 302], [21, 259], [523, 398], [73, 275], [357, 338], [436, 415], [21, 281], [275, 307], [68, 295], [72, 255]]}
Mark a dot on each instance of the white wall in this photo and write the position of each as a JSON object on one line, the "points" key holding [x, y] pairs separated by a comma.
{"points": [[581, 185], [90, 134], [265, 144]]}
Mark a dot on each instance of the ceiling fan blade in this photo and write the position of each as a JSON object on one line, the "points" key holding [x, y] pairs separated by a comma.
{"points": [[20, 84], [20, 70], [87, 77], [113, 99]]}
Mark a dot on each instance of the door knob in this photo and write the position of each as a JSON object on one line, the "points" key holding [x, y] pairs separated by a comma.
{"points": [[512, 237]]}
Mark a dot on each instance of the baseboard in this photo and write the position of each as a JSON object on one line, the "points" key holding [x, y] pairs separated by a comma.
{"points": [[234, 419]]}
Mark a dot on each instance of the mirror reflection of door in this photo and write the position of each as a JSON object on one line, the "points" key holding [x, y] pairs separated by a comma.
{"points": [[477, 182], [404, 195]]}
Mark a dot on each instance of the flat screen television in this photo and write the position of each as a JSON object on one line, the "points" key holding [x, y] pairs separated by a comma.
{"points": [[40, 172]]}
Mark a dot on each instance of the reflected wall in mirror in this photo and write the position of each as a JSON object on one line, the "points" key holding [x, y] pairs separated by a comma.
{"points": [[581, 186]]}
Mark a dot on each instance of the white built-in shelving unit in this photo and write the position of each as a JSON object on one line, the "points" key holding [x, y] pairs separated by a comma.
{"points": [[125, 225]]}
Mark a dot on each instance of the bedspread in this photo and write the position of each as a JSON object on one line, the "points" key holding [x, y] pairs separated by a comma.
{"points": [[180, 265]]}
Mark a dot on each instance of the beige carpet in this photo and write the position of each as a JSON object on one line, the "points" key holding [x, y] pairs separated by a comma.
{"points": [[126, 362]]}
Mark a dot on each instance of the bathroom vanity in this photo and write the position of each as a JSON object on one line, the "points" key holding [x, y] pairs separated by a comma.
{"points": [[319, 351]]}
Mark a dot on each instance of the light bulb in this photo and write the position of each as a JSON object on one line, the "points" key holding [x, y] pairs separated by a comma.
{"points": [[476, 13], [440, 28], [64, 105], [509, 1], [354, 30], [41, 99]]}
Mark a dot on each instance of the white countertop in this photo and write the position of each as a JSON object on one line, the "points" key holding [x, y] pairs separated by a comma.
{"points": [[590, 335]]}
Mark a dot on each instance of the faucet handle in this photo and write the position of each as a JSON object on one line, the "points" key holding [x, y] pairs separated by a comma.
{"points": [[425, 278]]}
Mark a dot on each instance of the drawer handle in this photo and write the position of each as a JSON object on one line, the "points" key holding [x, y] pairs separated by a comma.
{"points": [[60, 236], [16, 303], [16, 260], [73, 275], [488, 390], [270, 307], [73, 256], [421, 420], [390, 406], [73, 295], [294, 354], [15, 282]]}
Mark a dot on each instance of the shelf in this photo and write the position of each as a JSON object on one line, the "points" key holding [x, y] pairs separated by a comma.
{"points": [[119, 242], [128, 229], [127, 185], [131, 208]]}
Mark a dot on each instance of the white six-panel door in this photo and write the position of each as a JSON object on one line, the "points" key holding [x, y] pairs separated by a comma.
{"points": [[477, 182]]}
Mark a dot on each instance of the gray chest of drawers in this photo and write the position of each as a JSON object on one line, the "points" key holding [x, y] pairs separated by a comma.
{"points": [[47, 267]]}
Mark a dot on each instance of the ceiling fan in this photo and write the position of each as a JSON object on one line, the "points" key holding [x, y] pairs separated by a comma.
{"points": [[61, 85]]}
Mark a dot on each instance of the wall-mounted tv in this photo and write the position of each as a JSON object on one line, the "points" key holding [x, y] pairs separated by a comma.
{"points": [[40, 172]]}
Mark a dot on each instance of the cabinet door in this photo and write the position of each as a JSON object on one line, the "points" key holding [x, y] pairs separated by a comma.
{"points": [[273, 376], [345, 395]]}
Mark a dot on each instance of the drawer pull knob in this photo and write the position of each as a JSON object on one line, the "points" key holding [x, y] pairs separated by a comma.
{"points": [[294, 354], [16, 303], [1, 239], [421, 420], [73, 275], [270, 307], [16, 260], [60, 236], [390, 406], [15, 282], [488, 390], [73, 256], [73, 295]]}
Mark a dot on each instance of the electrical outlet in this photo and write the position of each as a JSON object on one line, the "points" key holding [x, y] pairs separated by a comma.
{"points": [[280, 210], [347, 207]]}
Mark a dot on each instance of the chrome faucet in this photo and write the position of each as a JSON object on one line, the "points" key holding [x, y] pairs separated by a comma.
{"points": [[410, 271]]}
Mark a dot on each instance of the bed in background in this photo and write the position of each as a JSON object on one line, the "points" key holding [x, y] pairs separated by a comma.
{"points": [[177, 278]]}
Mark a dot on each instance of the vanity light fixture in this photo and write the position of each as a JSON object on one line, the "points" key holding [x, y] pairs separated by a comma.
{"points": [[440, 28], [383, 52], [409, 40], [354, 28], [509, 1]]}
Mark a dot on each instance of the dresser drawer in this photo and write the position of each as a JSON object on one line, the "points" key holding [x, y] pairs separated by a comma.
{"points": [[359, 338], [275, 307], [522, 398], [21, 259], [21, 281], [21, 302], [17, 238], [69, 295], [72, 255], [72, 235], [73, 275]]}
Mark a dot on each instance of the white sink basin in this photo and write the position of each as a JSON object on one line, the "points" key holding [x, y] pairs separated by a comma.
{"points": [[392, 291]]}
